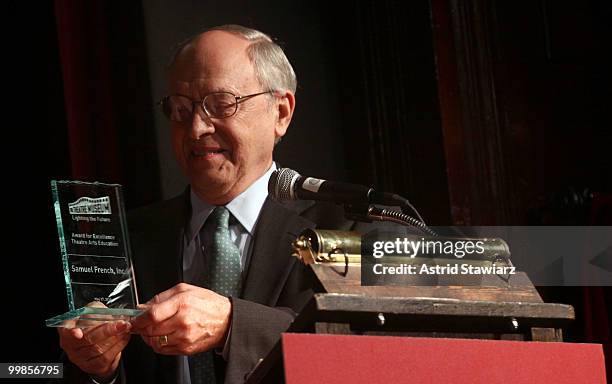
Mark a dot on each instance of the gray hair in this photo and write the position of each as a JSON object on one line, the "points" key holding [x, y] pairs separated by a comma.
{"points": [[272, 67]]}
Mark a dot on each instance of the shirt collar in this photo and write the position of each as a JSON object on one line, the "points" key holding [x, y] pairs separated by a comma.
{"points": [[245, 207]]}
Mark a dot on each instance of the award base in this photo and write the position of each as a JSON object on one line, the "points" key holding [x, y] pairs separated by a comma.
{"points": [[91, 316]]}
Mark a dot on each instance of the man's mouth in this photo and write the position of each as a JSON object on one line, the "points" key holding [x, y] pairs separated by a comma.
{"points": [[206, 152]]}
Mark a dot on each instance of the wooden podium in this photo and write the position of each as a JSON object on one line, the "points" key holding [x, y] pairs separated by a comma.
{"points": [[494, 310]]}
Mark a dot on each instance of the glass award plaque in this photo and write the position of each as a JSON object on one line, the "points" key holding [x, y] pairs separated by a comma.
{"points": [[95, 250]]}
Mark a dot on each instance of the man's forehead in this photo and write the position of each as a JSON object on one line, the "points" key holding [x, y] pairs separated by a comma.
{"points": [[214, 54], [197, 88], [213, 49]]}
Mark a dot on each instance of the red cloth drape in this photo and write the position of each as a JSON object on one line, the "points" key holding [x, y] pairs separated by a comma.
{"points": [[597, 300], [82, 28]]}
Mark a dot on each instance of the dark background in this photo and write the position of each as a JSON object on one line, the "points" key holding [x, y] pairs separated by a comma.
{"points": [[480, 112]]}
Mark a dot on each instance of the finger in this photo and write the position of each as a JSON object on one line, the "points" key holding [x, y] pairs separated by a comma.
{"points": [[166, 327], [167, 294], [86, 321], [157, 344], [152, 334], [103, 332], [69, 324], [181, 349], [111, 349], [173, 348], [92, 320], [91, 351], [172, 351], [150, 316], [70, 333], [158, 313], [179, 336], [107, 362], [96, 304], [70, 339]]}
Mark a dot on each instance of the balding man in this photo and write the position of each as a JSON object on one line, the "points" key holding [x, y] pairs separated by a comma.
{"points": [[214, 265]]}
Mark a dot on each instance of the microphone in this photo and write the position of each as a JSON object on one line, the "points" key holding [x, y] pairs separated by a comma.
{"points": [[287, 184]]}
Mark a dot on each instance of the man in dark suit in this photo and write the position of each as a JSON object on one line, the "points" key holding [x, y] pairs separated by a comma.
{"points": [[220, 293]]}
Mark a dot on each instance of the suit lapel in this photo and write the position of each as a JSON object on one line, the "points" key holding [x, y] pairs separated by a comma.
{"points": [[169, 261], [271, 261], [157, 239]]}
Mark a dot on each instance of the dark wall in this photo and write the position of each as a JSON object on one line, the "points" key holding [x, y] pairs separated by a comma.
{"points": [[34, 146], [523, 88], [553, 86], [390, 107]]}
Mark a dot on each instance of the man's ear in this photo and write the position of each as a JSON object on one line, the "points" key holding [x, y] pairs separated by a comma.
{"points": [[285, 107]]}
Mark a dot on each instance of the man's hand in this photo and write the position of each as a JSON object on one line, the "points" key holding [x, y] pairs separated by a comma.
{"points": [[96, 350], [191, 318]]}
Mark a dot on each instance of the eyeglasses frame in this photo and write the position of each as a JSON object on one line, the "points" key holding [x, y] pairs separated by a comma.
{"points": [[239, 99]]}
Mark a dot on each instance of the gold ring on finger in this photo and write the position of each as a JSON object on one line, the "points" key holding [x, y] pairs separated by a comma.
{"points": [[162, 340]]}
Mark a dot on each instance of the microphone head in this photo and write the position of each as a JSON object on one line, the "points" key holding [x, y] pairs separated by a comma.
{"points": [[281, 184]]}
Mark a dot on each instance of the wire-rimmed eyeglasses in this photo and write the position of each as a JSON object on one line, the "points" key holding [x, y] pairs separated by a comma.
{"points": [[218, 105]]}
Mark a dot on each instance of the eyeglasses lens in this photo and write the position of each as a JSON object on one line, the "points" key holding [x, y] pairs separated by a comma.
{"points": [[178, 108], [220, 104]]}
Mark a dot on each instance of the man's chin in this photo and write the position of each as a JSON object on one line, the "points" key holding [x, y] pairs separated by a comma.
{"points": [[212, 188]]}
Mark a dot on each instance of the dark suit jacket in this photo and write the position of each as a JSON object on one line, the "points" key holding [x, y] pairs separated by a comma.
{"points": [[275, 288]]}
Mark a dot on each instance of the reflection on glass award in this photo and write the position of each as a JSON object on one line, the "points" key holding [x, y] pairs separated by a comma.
{"points": [[95, 250]]}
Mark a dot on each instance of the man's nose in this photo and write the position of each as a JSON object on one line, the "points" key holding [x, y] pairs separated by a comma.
{"points": [[200, 125]]}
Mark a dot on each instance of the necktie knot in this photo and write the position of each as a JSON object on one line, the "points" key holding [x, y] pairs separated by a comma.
{"points": [[220, 218]]}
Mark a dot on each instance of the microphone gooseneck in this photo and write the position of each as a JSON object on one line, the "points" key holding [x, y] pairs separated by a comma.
{"points": [[287, 184]]}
